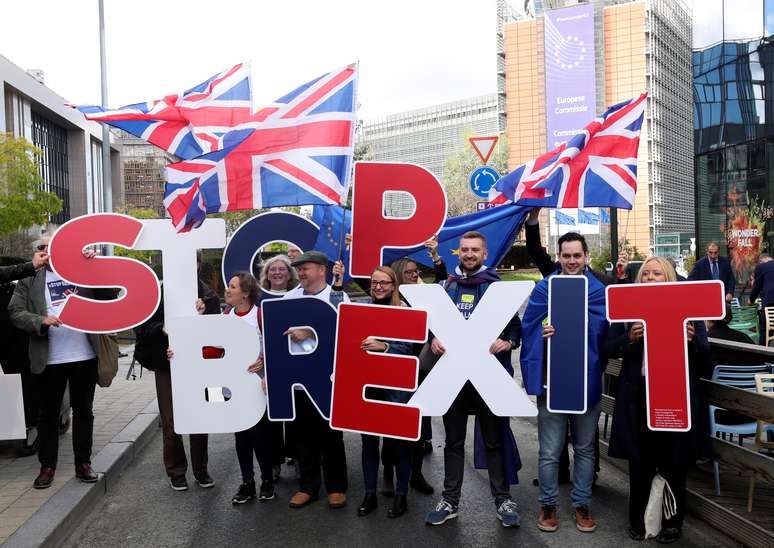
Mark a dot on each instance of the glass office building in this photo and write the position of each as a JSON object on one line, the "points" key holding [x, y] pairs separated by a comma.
{"points": [[733, 73]]}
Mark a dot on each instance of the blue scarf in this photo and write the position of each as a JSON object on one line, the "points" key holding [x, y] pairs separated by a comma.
{"points": [[532, 348]]}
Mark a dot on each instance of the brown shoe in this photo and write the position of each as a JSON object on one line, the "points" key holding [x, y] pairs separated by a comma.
{"points": [[547, 519], [301, 499], [44, 479], [337, 500], [84, 473], [583, 520]]}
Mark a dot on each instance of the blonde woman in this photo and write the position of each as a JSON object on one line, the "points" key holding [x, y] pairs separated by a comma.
{"points": [[667, 453]]}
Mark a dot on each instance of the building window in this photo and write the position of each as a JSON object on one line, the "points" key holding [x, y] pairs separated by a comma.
{"points": [[51, 139]]}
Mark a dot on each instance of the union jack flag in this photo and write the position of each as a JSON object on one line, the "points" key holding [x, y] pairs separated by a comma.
{"points": [[596, 168], [298, 150], [186, 124]]}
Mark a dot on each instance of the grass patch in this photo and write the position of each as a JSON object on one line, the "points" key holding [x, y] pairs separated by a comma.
{"points": [[521, 276]]}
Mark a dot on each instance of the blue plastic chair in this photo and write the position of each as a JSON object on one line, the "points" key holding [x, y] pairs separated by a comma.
{"points": [[739, 376]]}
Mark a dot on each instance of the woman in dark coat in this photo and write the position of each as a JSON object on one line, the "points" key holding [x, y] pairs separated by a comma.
{"points": [[384, 291], [668, 453]]}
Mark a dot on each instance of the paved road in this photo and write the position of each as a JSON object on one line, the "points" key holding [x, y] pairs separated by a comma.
{"points": [[141, 510]]}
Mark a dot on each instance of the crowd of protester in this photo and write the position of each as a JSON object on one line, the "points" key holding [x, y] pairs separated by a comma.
{"points": [[60, 357]]}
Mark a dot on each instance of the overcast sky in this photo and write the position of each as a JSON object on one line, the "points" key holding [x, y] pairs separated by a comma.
{"points": [[412, 53]]}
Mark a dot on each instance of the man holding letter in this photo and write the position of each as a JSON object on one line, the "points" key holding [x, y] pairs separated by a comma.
{"points": [[573, 259]]}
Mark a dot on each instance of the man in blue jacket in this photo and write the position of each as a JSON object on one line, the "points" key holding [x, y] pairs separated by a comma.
{"points": [[466, 288], [573, 259], [715, 267], [763, 287]]}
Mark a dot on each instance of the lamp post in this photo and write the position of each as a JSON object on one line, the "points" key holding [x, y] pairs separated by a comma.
{"points": [[107, 187]]}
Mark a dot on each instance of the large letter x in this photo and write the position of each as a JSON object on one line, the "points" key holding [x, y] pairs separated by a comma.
{"points": [[467, 343]]}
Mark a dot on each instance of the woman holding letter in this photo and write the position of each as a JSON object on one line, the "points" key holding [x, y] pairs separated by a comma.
{"points": [[384, 291], [649, 452]]}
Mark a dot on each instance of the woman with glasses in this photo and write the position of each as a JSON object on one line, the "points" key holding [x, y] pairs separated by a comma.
{"points": [[277, 278], [668, 453], [384, 283], [407, 271]]}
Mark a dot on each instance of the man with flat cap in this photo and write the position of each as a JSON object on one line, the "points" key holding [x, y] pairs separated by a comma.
{"points": [[319, 446]]}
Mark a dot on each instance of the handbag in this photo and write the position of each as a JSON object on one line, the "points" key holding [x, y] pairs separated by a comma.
{"points": [[107, 358], [661, 504]]}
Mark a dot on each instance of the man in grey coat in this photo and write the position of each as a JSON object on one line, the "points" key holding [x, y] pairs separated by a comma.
{"points": [[24, 270], [58, 355]]}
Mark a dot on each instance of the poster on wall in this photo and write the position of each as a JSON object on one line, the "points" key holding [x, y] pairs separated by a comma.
{"points": [[745, 231]]}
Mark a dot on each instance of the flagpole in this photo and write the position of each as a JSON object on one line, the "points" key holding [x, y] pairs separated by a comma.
{"points": [[341, 233], [107, 184], [614, 236]]}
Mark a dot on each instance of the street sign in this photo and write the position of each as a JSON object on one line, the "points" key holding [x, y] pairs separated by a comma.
{"points": [[481, 206], [484, 146], [482, 179]]}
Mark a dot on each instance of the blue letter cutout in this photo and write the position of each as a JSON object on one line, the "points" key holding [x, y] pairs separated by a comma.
{"points": [[568, 348], [259, 231], [287, 365]]}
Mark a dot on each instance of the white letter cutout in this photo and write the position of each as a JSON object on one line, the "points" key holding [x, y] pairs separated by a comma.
{"points": [[178, 259], [191, 374], [12, 425], [467, 343]]}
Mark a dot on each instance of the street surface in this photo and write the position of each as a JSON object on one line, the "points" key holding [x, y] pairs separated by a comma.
{"points": [[142, 510]]}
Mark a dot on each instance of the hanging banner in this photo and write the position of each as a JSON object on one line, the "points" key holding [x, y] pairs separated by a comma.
{"points": [[570, 72]]}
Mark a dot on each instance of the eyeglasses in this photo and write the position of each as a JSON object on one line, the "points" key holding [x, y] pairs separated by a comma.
{"points": [[278, 270], [380, 283], [410, 272], [42, 247]]}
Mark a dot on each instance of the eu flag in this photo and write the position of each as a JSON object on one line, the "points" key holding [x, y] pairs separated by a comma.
{"points": [[499, 224]]}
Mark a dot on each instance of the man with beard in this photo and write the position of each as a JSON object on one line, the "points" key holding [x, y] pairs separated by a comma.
{"points": [[466, 288]]}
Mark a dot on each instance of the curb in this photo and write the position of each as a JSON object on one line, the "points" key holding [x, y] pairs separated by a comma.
{"points": [[53, 523]]}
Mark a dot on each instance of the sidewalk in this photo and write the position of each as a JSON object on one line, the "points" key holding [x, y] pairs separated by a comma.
{"points": [[114, 408]]}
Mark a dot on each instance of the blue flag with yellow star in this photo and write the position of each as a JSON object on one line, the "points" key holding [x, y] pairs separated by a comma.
{"points": [[334, 223], [499, 224]]}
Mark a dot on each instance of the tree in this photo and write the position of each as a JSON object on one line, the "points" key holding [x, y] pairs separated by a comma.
{"points": [[458, 168], [23, 202], [146, 257]]}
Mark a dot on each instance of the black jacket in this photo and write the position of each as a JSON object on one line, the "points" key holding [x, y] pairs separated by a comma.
{"points": [[703, 271], [764, 283], [630, 412], [152, 343], [16, 272], [543, 260]]}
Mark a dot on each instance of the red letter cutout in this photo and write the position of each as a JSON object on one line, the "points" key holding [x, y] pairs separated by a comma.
{"points": [[665, 309], [141, 284], [372, 231], [355, 369]]}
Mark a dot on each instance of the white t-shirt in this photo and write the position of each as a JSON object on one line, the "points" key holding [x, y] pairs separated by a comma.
{"points": [[251, 317], [64, 344], [324, 294]]}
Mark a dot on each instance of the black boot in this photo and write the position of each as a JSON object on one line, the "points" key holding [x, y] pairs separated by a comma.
{"points": [[368, 505], [399, 507], [418, 481]]}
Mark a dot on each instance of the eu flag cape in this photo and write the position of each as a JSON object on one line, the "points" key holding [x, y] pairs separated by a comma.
{"points": [[533, 347]]}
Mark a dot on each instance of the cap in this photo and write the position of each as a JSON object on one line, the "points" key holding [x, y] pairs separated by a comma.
{"points": [[317, 257]]}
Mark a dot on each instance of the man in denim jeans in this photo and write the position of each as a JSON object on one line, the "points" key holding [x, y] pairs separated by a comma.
{"points": [[573, 258]]}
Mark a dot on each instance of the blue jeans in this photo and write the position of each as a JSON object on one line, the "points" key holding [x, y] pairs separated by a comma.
{"points": [[552, 429]]}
